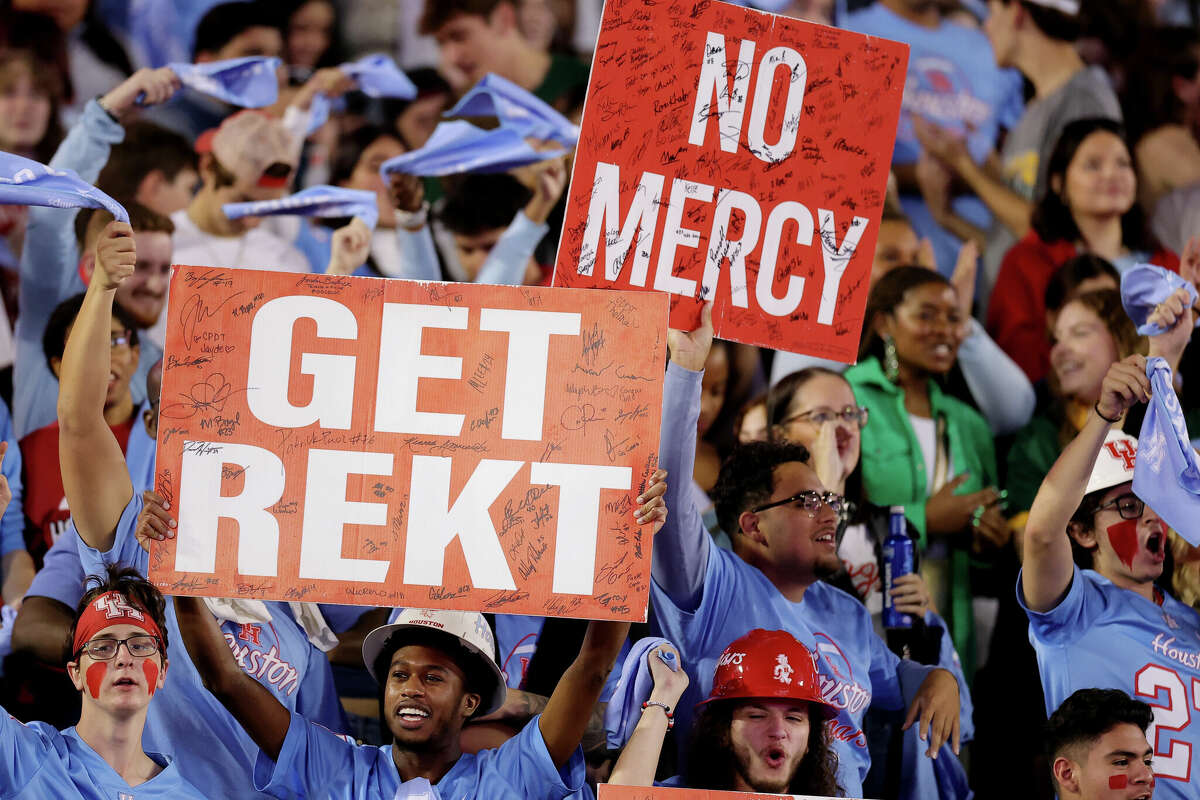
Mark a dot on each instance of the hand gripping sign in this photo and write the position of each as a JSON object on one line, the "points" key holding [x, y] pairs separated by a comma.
{"points": [[608, 791], [386, 442], [730, 154]]}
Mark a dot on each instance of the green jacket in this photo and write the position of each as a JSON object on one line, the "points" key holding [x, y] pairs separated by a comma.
{"points": [[893, 470]]}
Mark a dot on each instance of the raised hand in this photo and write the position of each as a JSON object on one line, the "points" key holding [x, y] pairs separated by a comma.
{"points": [[351, 246], [689, 349], [1177, 317], [408, 192], [146, 87], [669, 684], [116, 255], [963, 281], [155, 523], [652, 507], [1123, 386], [549, 180]]}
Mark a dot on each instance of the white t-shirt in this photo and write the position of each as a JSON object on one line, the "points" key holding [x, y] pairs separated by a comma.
{"points": [[258, 248], [857, 552]]}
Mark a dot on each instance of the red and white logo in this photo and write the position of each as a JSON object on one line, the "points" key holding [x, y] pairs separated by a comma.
{"points": [[114, 606], [1123, 450]]}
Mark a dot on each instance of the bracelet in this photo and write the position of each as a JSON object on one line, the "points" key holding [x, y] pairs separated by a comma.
{"points": [[666, 710], [1096, 407]]}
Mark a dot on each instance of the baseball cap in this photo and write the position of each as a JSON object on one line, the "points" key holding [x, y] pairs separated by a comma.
{"points": [[1114, 464], [467, 628], [769, 665], [248, 144]]}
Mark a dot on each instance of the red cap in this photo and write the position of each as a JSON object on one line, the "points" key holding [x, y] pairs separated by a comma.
{"points": [[769, 665]]}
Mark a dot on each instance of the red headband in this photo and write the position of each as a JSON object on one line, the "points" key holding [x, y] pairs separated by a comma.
{"points": [[111, 608]]}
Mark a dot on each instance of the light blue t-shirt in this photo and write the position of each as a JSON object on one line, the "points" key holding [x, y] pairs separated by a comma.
{"points": [[856, 669], [38, 762], [318, 764], [12, 524], [1102, 636], [953, 81], [185, 719]]}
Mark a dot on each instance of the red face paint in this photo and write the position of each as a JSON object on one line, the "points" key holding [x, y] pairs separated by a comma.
{"points": [[150, 669], [1118, 781], [95, 677], [1124, 540]]}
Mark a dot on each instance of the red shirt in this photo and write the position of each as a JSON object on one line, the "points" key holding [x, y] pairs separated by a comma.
{"points": [[1016, 317], [45, 501]]}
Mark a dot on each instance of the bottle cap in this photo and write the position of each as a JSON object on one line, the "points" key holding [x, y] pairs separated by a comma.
{"points": [[896, 509]]}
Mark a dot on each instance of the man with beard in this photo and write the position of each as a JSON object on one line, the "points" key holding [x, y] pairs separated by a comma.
{"points": [[783, 524], [1110, 626], [762, 729], [1096, 742]]}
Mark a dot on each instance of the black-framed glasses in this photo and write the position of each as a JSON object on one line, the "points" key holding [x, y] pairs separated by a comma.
{"points": [[140, 645], [1129, 506], [811, 501], [851, 415]]}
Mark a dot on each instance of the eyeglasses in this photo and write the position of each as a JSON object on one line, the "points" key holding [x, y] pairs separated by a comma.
{"points": [[120, 340], [1129, 506], [851, 415], [139, 646], [810, 501]]}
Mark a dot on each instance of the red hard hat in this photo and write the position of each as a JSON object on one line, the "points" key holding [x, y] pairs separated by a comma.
{"points": [[769, 665]]}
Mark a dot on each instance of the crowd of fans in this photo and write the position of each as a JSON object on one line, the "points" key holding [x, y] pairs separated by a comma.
{"points": [[1045, 149]]}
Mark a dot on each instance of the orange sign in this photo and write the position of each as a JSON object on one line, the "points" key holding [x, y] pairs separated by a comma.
{"points": [[608, 791], [740, 156], [385, 442]]}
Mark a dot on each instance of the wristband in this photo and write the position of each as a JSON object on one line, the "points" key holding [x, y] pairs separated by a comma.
{"points": [[1096, 407], [666, 710], [413, 220]]}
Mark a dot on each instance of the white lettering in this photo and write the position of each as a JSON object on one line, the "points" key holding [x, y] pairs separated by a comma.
{"points": [[714, 98], [604, 217], [270, 363], [402, 365], [327, 512]]}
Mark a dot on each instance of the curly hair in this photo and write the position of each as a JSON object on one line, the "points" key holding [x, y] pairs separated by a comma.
{"points": [[747, 478], [712, 763], [137, 590]]}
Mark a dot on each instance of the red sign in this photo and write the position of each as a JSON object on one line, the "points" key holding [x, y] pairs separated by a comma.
{"points": [[386, 442], [736, 155], [608, 791]]}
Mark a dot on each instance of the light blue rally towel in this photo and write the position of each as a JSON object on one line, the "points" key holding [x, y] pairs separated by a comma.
{"points": [[516, 109], [1143, 287], [1166, 475], [457, 147], [376, 76], [250, 82], [315, 201], [24, 182], [633, 688]]}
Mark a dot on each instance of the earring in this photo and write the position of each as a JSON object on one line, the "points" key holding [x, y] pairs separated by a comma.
{"points": [[891, 365]]}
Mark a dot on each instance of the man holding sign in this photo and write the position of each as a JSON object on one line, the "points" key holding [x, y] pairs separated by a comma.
{"points": [[783, 524]]}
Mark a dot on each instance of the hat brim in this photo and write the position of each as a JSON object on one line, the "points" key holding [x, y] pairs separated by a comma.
{"points": [[823, 710], [377, 640]]}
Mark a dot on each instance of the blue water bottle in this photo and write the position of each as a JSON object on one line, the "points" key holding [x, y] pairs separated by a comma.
{"points": [[897, 560]]}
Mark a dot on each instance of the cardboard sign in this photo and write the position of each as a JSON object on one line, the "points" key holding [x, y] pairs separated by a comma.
{"points": [[384, 442], [608, 791], [731, 154]]}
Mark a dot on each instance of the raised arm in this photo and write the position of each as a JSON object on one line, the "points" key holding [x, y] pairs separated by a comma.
{"points": [[567, 712], [1048, 566], [639, 758], [94, 475], [681, 547], [508, 259], [259, 713]]}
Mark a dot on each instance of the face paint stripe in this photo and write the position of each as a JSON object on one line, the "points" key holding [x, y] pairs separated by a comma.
{"points": [[1124, 540], [150, 669], [95, 677], [1118, 781]]}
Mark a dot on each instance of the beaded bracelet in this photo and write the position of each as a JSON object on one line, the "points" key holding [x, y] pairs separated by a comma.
{"points": [[666, 710]]}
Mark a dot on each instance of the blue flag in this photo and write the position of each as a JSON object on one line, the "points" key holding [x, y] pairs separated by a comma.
{"points": [[633, 688], [1143, 287], [315, 201], [458, 146], [24, 182], [247, 82], [517, 109], [376, 76], [1166, 475]]}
